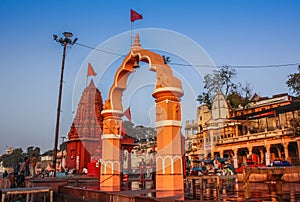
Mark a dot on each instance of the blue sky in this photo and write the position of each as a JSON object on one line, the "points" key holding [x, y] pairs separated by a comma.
{"points": [[232, 32]]}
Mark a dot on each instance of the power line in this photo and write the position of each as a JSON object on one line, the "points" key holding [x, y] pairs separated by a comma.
{"points": [[238, 66], [104, 51], [208, 66]]}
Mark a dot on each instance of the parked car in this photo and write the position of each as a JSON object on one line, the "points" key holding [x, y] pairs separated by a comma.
{"points": [[279, 163]]}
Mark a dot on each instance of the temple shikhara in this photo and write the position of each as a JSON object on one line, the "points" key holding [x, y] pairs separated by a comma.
{"points": [[84, 137]]}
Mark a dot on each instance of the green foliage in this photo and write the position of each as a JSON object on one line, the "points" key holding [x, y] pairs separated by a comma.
{"points": [[235, 99], [145, 133], [293, 83], [222, 81], [48, 153], [63, 146], [241, 96], [33, 150], [129, 128], [139, 132], [10, 160], [204, 99]]}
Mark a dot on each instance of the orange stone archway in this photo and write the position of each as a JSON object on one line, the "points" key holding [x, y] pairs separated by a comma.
{"points": [[167, 93]]}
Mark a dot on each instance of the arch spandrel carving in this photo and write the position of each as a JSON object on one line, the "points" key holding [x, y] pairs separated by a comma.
{"points": [[164, 74]]}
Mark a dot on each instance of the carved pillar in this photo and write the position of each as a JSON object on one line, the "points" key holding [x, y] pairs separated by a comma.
{"points": [[111, 166], [261, 155], [268, 154], [279, 152], [169, 165], [250, 148], [235, 158], [205, 142], [298, 146], [222, 153], [286, 151]]}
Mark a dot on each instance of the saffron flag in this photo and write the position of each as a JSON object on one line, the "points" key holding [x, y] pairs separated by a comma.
{"points": [[135, 16], [91, 71], [127, 113]]}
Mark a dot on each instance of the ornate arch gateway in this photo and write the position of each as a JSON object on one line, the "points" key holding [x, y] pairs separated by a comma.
{"points": [[167, 93]]}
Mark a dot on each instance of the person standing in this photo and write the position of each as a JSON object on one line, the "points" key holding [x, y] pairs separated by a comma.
{"points": [[33, 164], [5, 174], [27, 169], [25, 166]]}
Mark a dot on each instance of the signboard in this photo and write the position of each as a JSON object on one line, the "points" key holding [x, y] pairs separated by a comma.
{"points": [[207, 146]]}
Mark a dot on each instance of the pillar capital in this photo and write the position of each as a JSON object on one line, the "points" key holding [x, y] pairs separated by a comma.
{"points": [[111, 113], [165, 93]]}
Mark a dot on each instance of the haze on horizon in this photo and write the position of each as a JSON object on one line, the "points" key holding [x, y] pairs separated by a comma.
{"points": [[231, 32]]}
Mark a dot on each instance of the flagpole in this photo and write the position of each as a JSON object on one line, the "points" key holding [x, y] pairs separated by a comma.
{"points": [[130, 34], [87, 77]]}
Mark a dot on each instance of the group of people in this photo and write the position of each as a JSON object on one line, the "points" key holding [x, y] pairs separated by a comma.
{"points": [[212, 165], [21, 170], [25, 166]]}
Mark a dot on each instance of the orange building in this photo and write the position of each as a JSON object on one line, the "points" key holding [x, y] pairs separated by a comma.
{"points": [[262, 132], [84, 137]]}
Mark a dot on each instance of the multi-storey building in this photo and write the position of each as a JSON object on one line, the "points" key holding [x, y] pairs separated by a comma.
{"points": [[260, 132]]}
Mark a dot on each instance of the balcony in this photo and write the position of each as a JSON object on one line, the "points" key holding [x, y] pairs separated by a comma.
{"points": [[256, 136]]}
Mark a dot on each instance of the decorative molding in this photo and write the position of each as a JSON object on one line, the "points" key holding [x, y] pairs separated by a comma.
{"points": [[112, 111], [168, 123], [111, 136], [169, 98], [169, 89], [172, 159], [106, 163]]}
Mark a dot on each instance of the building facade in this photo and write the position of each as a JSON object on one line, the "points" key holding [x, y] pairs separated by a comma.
{"points": [[261, 132]]}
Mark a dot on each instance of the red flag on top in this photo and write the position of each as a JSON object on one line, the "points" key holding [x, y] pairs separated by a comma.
{"points": [[91, 71], [127, 113], [135, 16]]}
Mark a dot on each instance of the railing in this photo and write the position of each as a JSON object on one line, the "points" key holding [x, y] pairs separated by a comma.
{"points": [[255, 136], [28, 191]]}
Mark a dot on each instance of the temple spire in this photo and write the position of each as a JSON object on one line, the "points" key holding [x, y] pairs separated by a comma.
{"points": [[92, 84], [137, 43]]}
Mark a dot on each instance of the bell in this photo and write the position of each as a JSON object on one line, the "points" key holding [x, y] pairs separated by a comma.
{"points": [[136, 64]]}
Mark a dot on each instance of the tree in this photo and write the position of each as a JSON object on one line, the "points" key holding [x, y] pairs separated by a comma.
{"points": [[139, 132], [145, 133], [10, 160], [240, 96], [293, 82], [220, 81], [129, 128], [204, 99], [63, 146], [33, 150], [48, 153]]}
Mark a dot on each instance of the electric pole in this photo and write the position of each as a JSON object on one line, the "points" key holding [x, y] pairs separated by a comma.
{"points": [[64, 42]]}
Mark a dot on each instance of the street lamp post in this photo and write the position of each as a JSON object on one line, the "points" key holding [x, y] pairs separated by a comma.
{"points": [[64, 42]]}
